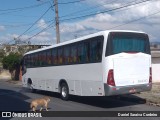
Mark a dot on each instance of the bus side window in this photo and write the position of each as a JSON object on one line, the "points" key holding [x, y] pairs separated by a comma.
{"points": [[99, 50], [31, 58], [86, 51], [93, 49], [54, 56], [40, 59], [28, 62], [80, 52], [66, 54], [44, 58], [74, 53], [49, 57], [60, 56], [36, 60], [96, 49]]}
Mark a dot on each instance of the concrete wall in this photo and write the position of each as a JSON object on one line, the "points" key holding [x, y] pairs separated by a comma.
{"points": [[155, 73]]}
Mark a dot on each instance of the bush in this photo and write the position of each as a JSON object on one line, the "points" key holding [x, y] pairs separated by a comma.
{"points": [[12, 63], [1, 54]]}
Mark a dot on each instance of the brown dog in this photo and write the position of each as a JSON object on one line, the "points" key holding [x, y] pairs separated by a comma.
{"points": [[42, 102]]}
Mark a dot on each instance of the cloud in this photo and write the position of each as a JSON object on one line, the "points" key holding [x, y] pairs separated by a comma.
{"points": [[117, 19], [2, 28], [120, 19], [65, 27], [42, 24], [45, 38]]}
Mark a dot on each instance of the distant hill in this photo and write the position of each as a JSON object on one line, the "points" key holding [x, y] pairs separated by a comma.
{"points": [[155, 43]]}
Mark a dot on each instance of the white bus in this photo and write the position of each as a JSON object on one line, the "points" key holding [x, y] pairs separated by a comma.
{"points": [[102, 64]]}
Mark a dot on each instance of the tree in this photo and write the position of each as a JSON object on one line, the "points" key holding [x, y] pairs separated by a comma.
{"points": [[12, 63], [1, 54]]}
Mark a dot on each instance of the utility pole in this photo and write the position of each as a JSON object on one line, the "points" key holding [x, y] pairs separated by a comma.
{"points": [[57, 21]]}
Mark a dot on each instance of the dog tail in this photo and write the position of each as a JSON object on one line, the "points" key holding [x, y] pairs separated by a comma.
{"points": [[31, 105]]}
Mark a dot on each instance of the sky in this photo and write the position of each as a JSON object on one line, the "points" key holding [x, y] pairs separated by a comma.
{"points": [[34, 20]]}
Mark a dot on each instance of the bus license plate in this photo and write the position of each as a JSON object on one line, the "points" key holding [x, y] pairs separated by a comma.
{"points": [[132, 90]]}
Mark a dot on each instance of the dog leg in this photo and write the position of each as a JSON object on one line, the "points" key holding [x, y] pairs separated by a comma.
{"points": [[46, 109], [46, 105], [33, 109], [41, 109]]}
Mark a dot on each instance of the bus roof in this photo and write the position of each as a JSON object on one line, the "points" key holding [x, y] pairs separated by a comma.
{"points": [[79, 39]]}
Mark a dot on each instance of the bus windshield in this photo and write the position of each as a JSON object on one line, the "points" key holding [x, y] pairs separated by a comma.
{"points": [[127, 42]]}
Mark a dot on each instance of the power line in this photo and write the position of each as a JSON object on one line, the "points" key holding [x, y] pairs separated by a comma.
{"points": [[48, 27], [63, 3], [150, 15], [53, 21], [105, 11], [20, 15], [22, 8], [14, 25], [87, 9], [35, 22]]}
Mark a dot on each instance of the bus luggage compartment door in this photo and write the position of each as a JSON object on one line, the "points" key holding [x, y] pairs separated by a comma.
{"points": [[131, 70]]}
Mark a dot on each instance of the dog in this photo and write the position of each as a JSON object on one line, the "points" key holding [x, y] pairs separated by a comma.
{"points": [[42, 102]]}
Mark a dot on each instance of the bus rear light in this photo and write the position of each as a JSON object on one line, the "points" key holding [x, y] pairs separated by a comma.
{"points": [[110, 79], [150, 76]]}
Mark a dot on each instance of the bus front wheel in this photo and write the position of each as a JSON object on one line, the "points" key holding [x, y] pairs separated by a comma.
{"points": [[64, 91], [30, 86]]}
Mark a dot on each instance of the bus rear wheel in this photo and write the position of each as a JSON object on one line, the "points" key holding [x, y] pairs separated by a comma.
{"points": [[64, 91]]}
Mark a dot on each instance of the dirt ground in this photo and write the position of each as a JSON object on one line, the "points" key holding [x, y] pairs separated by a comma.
{"points": [[152, 97], [4, 74]]}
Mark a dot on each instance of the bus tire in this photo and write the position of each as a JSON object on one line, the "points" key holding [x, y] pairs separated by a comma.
{"points": [[64, 91], [30, 86]]}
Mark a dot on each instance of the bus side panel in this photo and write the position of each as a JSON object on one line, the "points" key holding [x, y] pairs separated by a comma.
{"points": [[50, 85], [94, 88], [71, 85], [78, 90], [82, 79]]}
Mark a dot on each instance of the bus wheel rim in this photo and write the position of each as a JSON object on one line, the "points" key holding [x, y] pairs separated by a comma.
{"points": [[64, 92]]}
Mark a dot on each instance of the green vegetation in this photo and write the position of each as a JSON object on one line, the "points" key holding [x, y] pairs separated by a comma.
{"points": [[1, 54], [12, 63], [1, 57]]}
